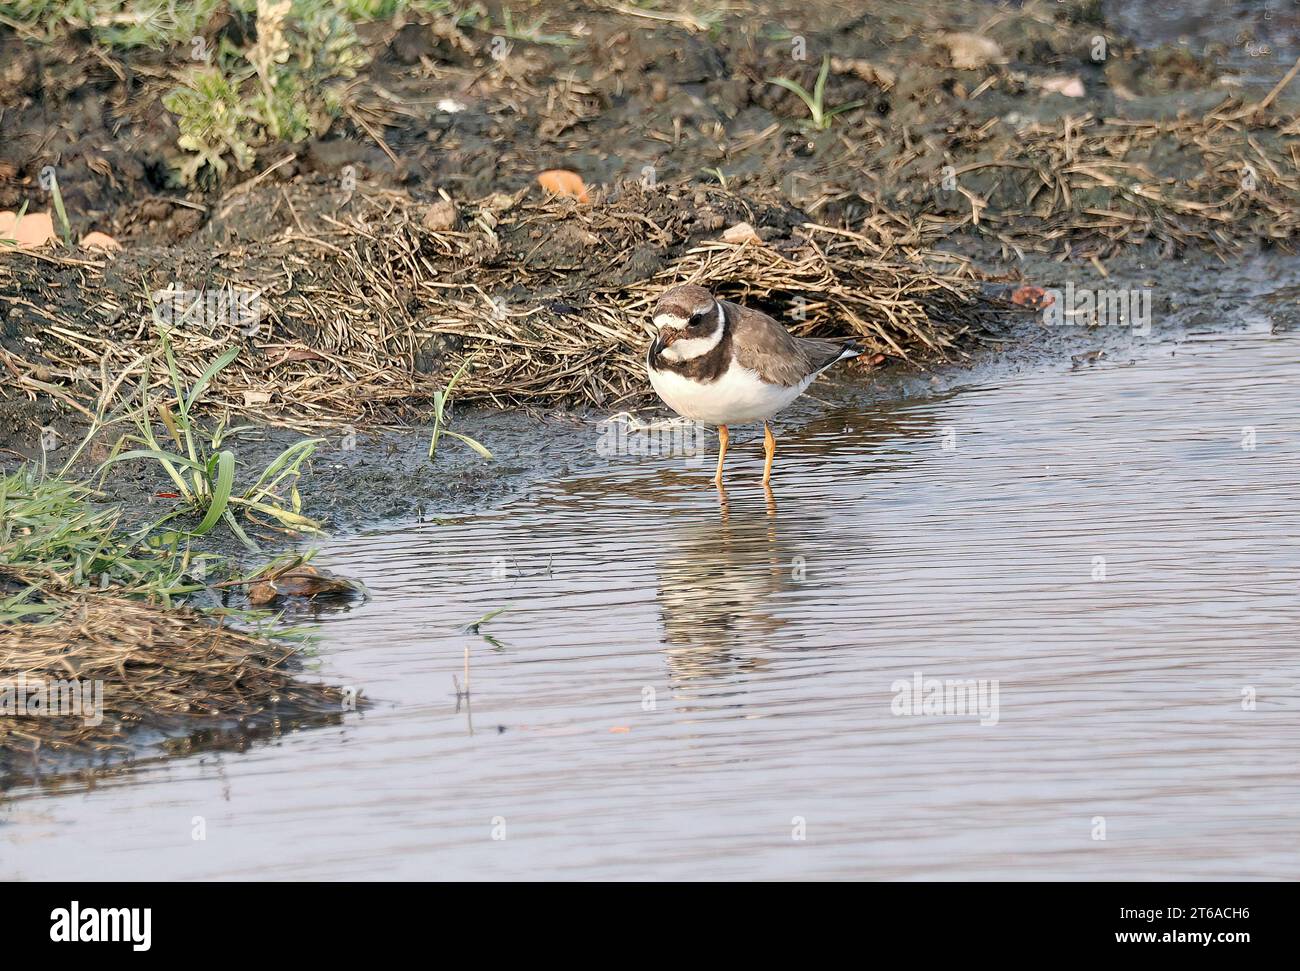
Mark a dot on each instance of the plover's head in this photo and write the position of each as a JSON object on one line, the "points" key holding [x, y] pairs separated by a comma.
{"points": [[689, 322]]}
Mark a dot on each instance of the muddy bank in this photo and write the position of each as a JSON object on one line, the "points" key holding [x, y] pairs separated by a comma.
{"points": [[979, 148], [474, 104], [377, 475], [115, 641], [409, 231], [363, 315]]}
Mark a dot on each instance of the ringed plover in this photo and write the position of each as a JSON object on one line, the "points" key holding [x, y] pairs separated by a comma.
{"points": [[723, 364]]}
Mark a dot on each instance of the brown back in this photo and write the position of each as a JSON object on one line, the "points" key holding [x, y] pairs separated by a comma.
{"points": [[779, 357]]}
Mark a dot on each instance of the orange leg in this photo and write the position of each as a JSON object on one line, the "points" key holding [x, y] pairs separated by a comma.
{"points": [[722, 454], [769, 449]]}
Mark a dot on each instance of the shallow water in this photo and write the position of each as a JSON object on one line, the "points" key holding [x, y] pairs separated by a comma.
{"points": [[679, 686], [1258, 42]]}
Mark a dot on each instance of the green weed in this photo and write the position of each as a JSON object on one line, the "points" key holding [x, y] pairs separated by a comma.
{"points": [[441, 399], [204, 472], [820, 115]]}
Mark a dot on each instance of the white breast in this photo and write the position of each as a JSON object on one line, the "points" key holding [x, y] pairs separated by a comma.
{"points": [[738, 397]]}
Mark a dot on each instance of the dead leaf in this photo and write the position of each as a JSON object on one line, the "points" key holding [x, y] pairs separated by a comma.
{"points": [[256, 398], [33, 230], [562, 182], [1070, 87], [741, 233], [303, 354], [98, 240], [1031, 296], [970, 52], [299, 581]]}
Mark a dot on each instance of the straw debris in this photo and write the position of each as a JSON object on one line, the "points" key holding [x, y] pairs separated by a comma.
{"points": [[367, 312], [168, 670]]}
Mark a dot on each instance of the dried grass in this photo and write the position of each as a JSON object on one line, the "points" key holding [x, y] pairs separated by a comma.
{"points": [[164, 669], [1087, 186], [368, 310]]}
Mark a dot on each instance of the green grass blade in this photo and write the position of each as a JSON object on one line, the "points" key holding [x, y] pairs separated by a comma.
{"points": [[62, 213], [166, 459], [849, 106], [471, 443], [173, 370], [486, 617], [22, 211], [213, 369], [238, 531], [440, 399], [289, 519], [464, 366], [225, 481], [438, 402], [290, 458], [819, 89], [798, 89], [179, 387]]}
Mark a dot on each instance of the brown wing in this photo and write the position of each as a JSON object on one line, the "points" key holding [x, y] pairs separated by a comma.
{"points": [[778, 356], [763, 345]]}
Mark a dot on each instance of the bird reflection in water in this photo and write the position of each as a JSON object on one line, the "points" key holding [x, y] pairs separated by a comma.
{"points": [[720, 582]]}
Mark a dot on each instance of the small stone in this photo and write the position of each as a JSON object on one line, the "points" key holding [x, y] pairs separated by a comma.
{"points": [[970, 52], [154, 210], [442, 215], [98, 240], [411, 43], [875, 74], [741, 233], [1070, 87]]}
